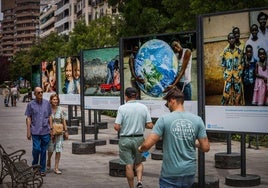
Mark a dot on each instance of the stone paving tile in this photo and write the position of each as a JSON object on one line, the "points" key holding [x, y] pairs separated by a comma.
{"points": [[92, 170]]}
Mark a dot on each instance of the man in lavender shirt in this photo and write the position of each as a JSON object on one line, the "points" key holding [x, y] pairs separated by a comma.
{"points": [[39, 126]]}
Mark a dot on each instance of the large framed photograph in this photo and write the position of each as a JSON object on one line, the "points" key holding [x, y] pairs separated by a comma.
{"points": [[154, 63], [232, 49], [68, 80], [102, 83], [48, 78]]}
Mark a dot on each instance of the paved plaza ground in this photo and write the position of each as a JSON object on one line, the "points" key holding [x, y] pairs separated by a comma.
{"points": [[92, 170]]}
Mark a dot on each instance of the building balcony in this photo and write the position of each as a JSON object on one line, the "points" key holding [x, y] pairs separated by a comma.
{"points": [[26, 21], [47, 23], [62, 22], [29, 28], [7, 21], [27, 7], [25, 35], [27, 14], [7, 43], [7, 53], [47, 32], [8, 32], [24, 42], [62, 9], [8, 37], [7, 26], [51, 10], [26, 1]]}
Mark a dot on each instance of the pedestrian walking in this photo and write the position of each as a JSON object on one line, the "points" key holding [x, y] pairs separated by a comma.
{"points": [[131, 120], [39, 127], [6, 94], [181, 132], [14, 95], [56, 141]]}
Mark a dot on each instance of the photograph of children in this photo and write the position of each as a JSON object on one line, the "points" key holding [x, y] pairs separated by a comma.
{"points": [[102, 72], [49, 76], [235, 47], [153, 64], [69, 75]]}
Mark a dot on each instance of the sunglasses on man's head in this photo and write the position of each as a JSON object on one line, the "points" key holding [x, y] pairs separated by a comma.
{"points": [[39, 92], [166, 104]]}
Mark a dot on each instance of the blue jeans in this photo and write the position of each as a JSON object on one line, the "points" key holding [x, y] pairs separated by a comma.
{"points": [[40, 144], [187, 90], [177, 182]]}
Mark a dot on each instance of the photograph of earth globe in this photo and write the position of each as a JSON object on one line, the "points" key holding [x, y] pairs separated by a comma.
{"points": [[155, 63]]}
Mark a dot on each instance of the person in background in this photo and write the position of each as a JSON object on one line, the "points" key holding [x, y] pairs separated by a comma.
{"points": [[6, 94], [110, 71], [39, 127], [239, 43], [14, 95], [131, 120], [182, 132], [51, 72], [232, 73], [45, 77], [116, 74], [134, 78], [249, 64], [183, 79], [56, 142], [76, 73], [260, 95], [69, 84], [263, 29], [254, 41]]}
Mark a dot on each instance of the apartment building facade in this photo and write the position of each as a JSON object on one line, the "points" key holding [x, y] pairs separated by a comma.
{"points": [[24, 21], [19, 25]]}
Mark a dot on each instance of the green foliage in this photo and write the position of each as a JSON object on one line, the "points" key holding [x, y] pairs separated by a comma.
{"points": [[99, 33], [263, 140], [20, 66], [23, 90], [111, 113], [166, 16]]}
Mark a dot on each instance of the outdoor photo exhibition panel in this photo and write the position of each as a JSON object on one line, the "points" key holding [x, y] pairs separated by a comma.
{"points": [[235, 99], [48, 78], [35, 77], [101, 78], [150, 64], [68, 80]]}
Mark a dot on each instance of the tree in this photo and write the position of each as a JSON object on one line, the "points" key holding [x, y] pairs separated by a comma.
{"points": [[99, 33], [167, 16], [20, 66], [46, 49]]}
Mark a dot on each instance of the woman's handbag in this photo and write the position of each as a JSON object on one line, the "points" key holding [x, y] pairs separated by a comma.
{"points": [[57, 128]]}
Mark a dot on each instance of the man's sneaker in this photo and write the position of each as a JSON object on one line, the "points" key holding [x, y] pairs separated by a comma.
{"points": [[139, 185]]}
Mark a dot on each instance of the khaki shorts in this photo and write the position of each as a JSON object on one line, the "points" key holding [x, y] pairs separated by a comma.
{"points": [[128, 150]]}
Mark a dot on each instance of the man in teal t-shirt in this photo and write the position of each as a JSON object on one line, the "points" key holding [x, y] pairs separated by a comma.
{"points": [[181, 132]]}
